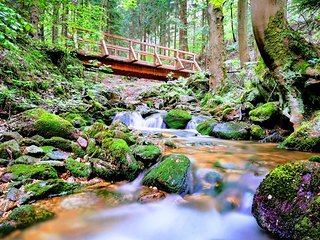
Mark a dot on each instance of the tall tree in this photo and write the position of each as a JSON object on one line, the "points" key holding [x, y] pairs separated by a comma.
{"points": [[183, 34], [287, 55], [34, 16], [243, 31], [216, 53]]}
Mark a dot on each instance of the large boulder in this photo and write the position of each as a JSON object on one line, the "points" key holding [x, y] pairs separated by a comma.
{"points": [[306, 137], [267, 114], [172, 174], [177, 119], [287, 202], [205, 128]]}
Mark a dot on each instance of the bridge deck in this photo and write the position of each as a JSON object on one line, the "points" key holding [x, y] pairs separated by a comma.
{"points": [[130, 57]]}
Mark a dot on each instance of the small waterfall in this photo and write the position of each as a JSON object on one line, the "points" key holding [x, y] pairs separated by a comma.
{"points": [[133, 186], [195, 121], [135, 120], [155, 121], [131, 119]]}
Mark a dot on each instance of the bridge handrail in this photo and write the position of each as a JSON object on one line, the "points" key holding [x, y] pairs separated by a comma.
{"points": [[178, 60]]}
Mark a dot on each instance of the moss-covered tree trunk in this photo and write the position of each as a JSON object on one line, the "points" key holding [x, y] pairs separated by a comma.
{"points": [[286, 54]]}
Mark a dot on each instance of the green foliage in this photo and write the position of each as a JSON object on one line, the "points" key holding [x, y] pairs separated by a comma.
{"points": [[11, 26]]}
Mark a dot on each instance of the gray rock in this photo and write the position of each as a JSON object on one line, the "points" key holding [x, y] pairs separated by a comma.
{"points": [[25, 159], [56, 155], [7, 136], [34, 151]]}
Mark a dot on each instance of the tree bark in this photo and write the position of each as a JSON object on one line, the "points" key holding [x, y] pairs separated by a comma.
{"points": [[231, 23], [183, 34], [55, 22], [216, 53], [285, 53], [243, 31], [34, 17]]}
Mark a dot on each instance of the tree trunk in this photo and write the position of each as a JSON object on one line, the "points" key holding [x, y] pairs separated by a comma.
{"points": [[231, 23], [34, 17], [243, 31], [64, 19], [285, 53], [183, 34], [216, 53], [55, 22]]}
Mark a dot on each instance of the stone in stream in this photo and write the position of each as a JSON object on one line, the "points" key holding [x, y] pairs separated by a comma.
{"points": [[22, 217], [172, 175], [177, 119], [287, 202], [148, 154]]}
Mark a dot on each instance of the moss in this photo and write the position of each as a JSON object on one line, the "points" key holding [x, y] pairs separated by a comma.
{"points": [[78, 169], [96, 128], [11, 145], [257, 132], [50, 125], [170, 175], [110, 114], [24, 171], [265, 112], [102, 135], [58, 142], [205, 128], [35, 113], [77, 150], [177, 119], [75, 119], [47, 149], [170, 144]]}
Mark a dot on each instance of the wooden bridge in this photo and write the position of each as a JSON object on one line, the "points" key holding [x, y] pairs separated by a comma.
{"points": [[130, 57]]}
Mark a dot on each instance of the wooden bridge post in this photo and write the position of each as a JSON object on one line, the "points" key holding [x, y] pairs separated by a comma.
{"points": [[132, 54], [105, 52], [157, 60], [177, 63]]}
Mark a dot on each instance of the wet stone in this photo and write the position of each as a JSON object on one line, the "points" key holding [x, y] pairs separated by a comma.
{"points": [[56, 155], [34, 151]]}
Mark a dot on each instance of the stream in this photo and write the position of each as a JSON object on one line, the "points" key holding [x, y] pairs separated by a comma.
{"points": [[205, 214]]}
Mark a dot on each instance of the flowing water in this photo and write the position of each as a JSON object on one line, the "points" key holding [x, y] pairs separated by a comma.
{"points": [[204, 214]]}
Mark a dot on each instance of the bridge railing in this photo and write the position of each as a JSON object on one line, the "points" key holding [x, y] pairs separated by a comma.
{"points": [[130, 50]]}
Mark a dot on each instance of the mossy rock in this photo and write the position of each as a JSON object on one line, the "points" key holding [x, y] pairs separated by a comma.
{"points": [[148, 154], [257, 132], [76, 120], [110, 114], [24, 216], [306, 137], [287, 202], [7, 136], [77, 150], [25, 159], [12, 146], [120, 126], [95, 128], [231, 131], [34, 151], [205, 128], [48, 188], [267, 114], [39, 121], [25, 172], [170, 144], [78, 169], [100, 136], [177, 119], [58, 142], [172, 174], [51, 125], [105, 170], [118, 153]]}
